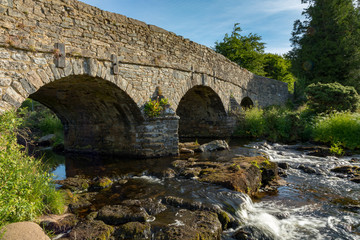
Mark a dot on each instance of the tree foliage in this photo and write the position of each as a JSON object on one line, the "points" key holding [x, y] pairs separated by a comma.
{"points": [[279, 68], [247, 51], [326, 46], [327, 97]]}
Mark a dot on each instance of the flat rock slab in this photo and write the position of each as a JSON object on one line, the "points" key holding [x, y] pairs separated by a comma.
{"points": [[91, 230], [23, 231], [119, 214]]}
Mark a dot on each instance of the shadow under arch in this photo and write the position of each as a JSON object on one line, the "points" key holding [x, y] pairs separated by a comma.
{"points": [[98, 116], [246, 103], [202, 113]]}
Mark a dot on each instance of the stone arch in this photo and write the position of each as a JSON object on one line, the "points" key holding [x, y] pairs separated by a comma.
{"points": [[246, 103], [201, 112], [98, 116]]}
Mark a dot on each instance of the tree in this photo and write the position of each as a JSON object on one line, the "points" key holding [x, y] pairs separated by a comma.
{"points": [[279, 68], [247, 51], [326, 46]]}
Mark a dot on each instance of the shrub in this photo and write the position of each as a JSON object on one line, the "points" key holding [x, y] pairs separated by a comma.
{"points": [[252, 123], [153, 108], [26, 188], [338, 129], [328, 97]]}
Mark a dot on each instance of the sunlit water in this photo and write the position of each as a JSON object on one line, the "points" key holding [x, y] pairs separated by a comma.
{"points": [[310, 206]]}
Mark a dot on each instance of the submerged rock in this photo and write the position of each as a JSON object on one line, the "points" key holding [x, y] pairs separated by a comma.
{"points": [[253, 233], [74, 184], [307, 169]]}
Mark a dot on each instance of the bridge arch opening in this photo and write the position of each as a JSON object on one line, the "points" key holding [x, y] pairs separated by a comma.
{"points": [[246, 103], [98, 117], [201, 113]]}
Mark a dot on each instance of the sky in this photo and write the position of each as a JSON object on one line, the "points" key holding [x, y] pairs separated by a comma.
{"points": [[207, 21]]}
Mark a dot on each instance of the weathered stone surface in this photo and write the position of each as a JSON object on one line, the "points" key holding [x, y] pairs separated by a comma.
{"points": [[252, 232], [345, 169], [23, 231], [91, 230], [243, 174], [133, 230], [121, 214], [58, 223], [192, 225], [216, 145], [74, 183]]}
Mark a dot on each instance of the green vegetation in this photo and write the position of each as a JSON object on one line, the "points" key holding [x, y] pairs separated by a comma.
{"points": [[280, 124], [153, 108], [26, 188], [248, 52], [326, 44], [328, 97], [275, 124], [338, 129], [41, 121]]}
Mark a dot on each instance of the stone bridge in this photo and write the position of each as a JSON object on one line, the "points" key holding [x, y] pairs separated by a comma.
{"points": [[97, 69]]}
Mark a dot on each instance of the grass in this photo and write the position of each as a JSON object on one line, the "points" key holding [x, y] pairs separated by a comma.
{"points": [[41, 121], [280, 124], [26, 188], [338, 129]]}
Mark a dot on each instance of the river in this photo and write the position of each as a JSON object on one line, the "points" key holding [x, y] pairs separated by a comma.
{"points": [[317, 205]]}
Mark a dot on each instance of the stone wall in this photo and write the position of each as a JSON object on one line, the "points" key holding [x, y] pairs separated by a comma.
{"points": [[147, 57]]}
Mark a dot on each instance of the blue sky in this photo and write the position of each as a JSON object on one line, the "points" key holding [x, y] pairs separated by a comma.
{"points": [[207, 21]]}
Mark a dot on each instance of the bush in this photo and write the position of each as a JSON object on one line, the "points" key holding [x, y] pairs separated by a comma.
{"points": [[275, 124], [26, 188], [328, 97], [338, 129], [251, 123], [153, 108]]}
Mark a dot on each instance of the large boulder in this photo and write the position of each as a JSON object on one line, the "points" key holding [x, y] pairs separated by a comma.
{"points": [[134, 231], [23, 231], [58, 223]]}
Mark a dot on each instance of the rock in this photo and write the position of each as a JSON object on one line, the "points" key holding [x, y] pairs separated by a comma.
{"points": [[58, 223], [181, 203], [133, 230], [355, 179], [186, 151], [345, 169], [91, 230], [82, 201], [46, 141], [282, 215], [120, 214], [243, 174], [307, 169], [216, 145], [192, 225], [101, 183], [191, 172], [252, 233], [189, 145], [151, 206], [355, 160], [23, 231], [74, 183], [283, 165]]}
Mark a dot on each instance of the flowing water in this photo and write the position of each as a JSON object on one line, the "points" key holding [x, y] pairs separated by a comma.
{"points": [[321, 205]]}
